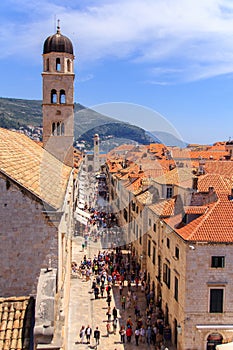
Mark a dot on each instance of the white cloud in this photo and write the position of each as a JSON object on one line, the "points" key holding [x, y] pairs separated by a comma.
{"points": [[85, 78], [192, 38]]}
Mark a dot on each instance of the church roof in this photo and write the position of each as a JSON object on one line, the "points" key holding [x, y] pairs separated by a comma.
{"points": [[58, 43], [32, 167]]}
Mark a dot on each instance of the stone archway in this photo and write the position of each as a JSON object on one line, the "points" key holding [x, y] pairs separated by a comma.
{"points": [[213, 339]]}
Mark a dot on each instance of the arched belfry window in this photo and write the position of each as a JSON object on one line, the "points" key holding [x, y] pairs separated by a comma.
{"points": [[54, 129], [47, 64], [58, 64], [68, 66], [62, 96], [53, 96], [62, 129], [58, 128]]}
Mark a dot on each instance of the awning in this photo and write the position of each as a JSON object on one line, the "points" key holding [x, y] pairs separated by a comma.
{"points": [[215, 326], [227, 346]]}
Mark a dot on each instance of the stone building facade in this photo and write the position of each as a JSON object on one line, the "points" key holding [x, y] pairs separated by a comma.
{"points": [[183, 239], [36, 228], [25, 232], [37, 186]]}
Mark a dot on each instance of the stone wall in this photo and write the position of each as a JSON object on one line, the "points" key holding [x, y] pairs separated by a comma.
{"points": [[28, 240]]}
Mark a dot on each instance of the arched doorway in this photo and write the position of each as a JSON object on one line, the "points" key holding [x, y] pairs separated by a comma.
{"points": [[213, 340]]}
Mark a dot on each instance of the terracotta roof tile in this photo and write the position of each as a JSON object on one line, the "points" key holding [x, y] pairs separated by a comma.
{"points": [[24, 161], [16, 322], [194, 209], [219, 167], [221, 184], [163, 208], [176, 176], [215, 225]]}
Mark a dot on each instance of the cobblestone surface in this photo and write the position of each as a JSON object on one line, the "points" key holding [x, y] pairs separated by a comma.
{"points": [[84, 309]]}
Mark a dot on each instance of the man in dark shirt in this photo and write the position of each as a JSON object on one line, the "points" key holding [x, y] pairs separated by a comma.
{"points": [[97, 336]]}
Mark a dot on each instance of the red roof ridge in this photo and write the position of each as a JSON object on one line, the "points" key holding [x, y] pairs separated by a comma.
{"points": [[205, 216]]}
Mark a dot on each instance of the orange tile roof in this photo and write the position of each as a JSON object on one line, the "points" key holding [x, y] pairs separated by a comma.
{"points": [[157, 148], [154, 173], [16, 316], [211, 152], [35, 169], [220, 183], [222, 167], [194, 209], [215, 225], [176, 176], [163, 208]]}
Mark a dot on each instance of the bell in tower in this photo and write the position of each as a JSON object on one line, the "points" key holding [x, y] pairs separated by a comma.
{"points": [[58, 97]]}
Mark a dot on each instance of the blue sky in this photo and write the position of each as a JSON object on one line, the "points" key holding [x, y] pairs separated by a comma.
{"points": [[170, 56]]}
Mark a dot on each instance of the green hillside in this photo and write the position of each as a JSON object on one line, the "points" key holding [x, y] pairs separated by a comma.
{"points": [[19, 113]]}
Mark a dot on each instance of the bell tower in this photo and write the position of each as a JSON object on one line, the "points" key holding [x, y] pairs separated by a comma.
{"points": [[96, 153], [58, 97]]}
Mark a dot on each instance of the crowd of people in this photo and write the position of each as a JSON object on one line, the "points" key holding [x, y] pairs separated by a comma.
{"points": [[113, 272]]}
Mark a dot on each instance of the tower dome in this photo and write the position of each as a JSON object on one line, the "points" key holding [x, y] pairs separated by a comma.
{"points": [[58, 43]]}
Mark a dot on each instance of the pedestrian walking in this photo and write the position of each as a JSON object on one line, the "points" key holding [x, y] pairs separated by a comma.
{"points": [[148, 335], [108, 300], [128, 302], [97, 336], [129, 322], [114, 313], [108, 313], [108, 289], [88, 272], [96, 292], [108, 329], [88, 332], [122, 334], [129, 334], [93, 285], [120, 288], [102, 291], [114, 324], [137, 334], [154, 332], [82, 334], [142, 334]]}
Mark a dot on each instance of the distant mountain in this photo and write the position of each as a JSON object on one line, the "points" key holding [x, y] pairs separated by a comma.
{"points": [[19, 113], [168, 139]]}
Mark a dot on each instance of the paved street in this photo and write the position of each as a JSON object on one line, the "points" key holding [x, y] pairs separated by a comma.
{"points": [[84, 309]]}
